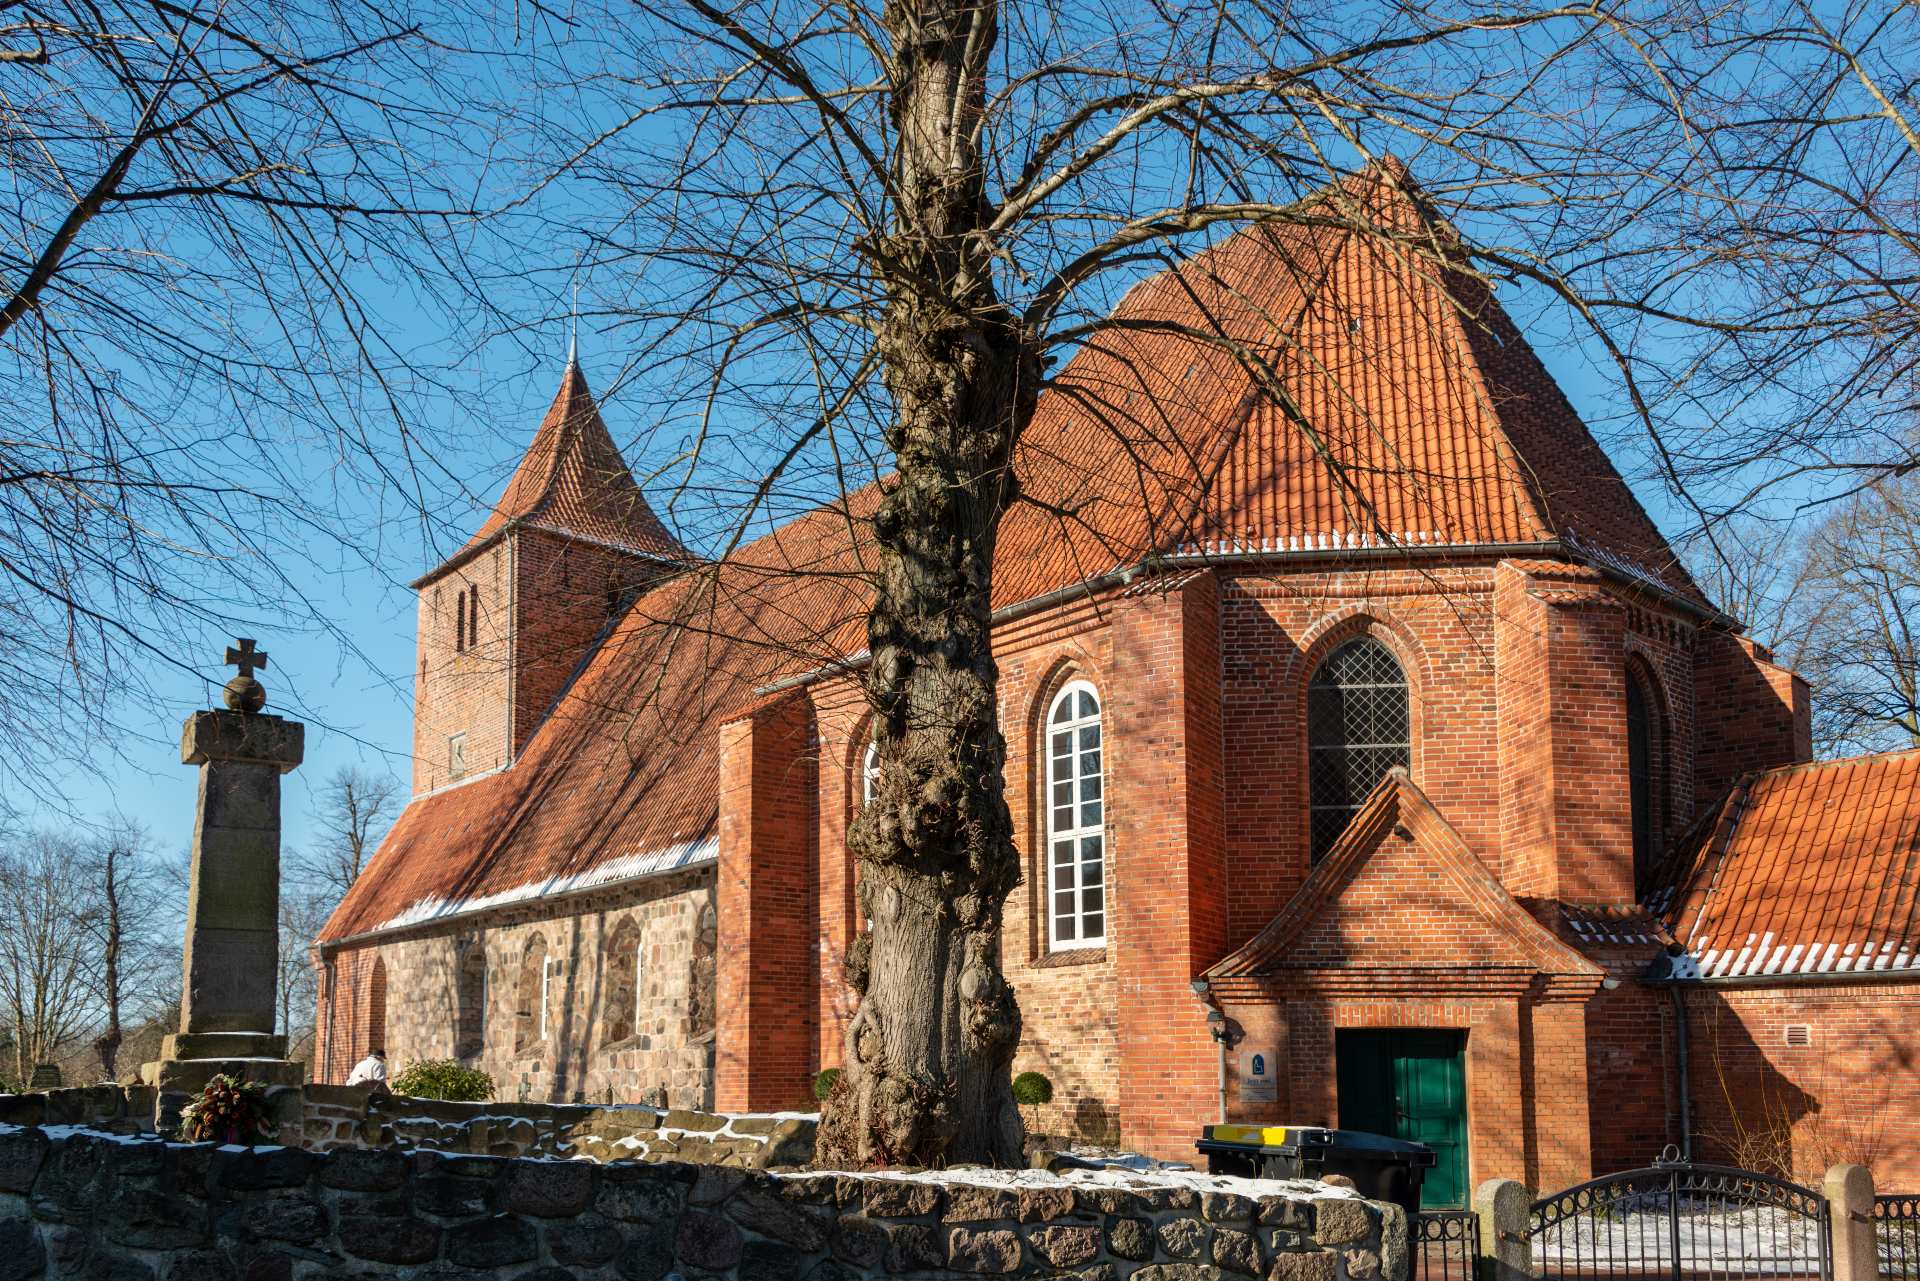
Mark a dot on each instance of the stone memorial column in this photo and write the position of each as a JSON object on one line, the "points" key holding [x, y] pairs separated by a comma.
{"points": [[229, 994]]}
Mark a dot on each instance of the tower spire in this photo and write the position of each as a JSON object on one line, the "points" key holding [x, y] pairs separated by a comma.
{"points": [[573, 336]]}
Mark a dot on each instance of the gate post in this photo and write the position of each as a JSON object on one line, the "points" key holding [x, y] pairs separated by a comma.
{"points": [[1849, 1193], [1506, 1250]]}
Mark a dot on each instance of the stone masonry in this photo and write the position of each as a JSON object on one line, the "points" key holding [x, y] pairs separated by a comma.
{"points": [[628, 974], [232, 951], [78, 1204]]}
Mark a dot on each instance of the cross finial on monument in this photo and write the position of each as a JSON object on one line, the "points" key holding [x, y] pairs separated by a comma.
{"points": [[245, 694], [246, 658]]}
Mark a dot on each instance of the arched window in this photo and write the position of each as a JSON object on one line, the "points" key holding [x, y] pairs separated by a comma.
{"points": [[530, 1012], [473, 615], [621, 1014], [701, 974], [460, 622], [470, 1014], [1357, 730], [1076, 821], [1646, 776], [377, 1006], [869, 773]]}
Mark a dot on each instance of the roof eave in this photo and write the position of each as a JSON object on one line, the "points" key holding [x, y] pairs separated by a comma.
{"points": [[530, 522]]}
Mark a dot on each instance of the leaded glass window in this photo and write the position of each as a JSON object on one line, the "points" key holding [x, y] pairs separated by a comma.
{"points": [[1357, 730], [1076, 821]]}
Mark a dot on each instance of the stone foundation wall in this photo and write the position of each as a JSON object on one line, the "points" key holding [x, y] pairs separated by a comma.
{"points": [[122, 1209], [627, 978]]}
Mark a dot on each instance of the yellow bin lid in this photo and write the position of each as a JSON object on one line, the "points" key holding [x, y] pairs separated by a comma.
{"points": [[1266, 1135]]}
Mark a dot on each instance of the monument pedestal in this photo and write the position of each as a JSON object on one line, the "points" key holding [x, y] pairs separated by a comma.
{"points": [[233, 904]]}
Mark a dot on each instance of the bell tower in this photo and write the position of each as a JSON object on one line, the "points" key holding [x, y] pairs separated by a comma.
{"points": [[505, 622]]}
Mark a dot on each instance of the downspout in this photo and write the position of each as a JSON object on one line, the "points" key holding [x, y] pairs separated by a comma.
{"points": [[324, 1041], [1681, 1055], [1217, 1028]]}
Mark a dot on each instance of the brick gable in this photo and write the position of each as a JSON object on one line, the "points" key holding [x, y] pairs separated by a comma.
{"points": [[1400, 891]]}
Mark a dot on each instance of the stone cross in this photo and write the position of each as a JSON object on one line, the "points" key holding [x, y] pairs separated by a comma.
{"points": [[246, 658], [228, 1001]]}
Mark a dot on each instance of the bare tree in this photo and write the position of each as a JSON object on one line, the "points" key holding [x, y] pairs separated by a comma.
{"points": [[50, 965], [209, 205], [1856, 632], [127, 917], [303, 910], [859, 236], [1773, 353], [355, 810]]}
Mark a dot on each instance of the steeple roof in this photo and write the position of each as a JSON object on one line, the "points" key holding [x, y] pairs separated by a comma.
{"points": [[573, 482]]}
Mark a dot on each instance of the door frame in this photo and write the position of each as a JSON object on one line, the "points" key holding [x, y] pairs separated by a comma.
{"points": [[1462, 1040]]}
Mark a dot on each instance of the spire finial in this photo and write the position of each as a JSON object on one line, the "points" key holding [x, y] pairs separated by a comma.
{"points": [[573, 337]]}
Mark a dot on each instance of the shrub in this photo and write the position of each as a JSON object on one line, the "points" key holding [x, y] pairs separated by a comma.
{"points": [[443, 1079], [823, 1084], [228, 1111], [1032, 1088]]}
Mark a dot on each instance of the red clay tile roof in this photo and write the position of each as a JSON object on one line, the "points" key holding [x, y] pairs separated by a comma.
{"points": [[573, 481], [1423, 398], [1806, 869]]}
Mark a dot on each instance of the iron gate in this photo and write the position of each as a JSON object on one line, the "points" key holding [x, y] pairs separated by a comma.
{"points": [[1896, 1235], [1681, 1221], [1445, 1244]]}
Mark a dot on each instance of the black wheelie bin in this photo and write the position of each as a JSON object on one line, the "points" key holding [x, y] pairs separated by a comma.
{"points": [[1382, 1169]]}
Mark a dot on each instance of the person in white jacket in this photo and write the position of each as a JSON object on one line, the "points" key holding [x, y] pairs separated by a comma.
{"points": [[371, 1070]]}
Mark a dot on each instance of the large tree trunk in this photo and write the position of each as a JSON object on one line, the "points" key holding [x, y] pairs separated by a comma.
{"points": [[928, 1058]]}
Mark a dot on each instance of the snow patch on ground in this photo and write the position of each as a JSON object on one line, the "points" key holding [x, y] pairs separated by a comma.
{"points": [[1755, 1240], [1125, 1179]]}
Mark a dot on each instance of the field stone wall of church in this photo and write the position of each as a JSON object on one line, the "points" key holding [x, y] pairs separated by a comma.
{"points": [[75, 1204], [665, 1061]]}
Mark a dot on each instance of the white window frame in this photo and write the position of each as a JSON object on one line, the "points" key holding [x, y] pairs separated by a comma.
{"points": [[1079, 831], [869, 784]]}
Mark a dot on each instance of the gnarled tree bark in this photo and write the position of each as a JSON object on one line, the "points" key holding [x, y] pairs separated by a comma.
{"points": [[927, 1078]]}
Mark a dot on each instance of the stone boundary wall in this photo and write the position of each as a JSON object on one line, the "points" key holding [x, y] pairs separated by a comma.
{"points": [[119, 1208], [340, 1116], [327, 1117]]}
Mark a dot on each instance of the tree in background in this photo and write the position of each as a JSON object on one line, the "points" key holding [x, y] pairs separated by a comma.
{"points": [[49, 953], [303, 910], [355, 809], [1856, 615], [133, 907], [1837, 598], [89, 943], [352, 814]]}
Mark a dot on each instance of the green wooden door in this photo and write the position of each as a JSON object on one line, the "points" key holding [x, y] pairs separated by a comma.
{"points": [[1409, 1083]]}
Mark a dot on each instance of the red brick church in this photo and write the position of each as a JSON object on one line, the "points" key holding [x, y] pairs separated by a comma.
{"points": [[1434, 799]]}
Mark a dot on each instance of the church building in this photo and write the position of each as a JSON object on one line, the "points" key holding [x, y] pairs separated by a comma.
{"points": [[1375, 762]]}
